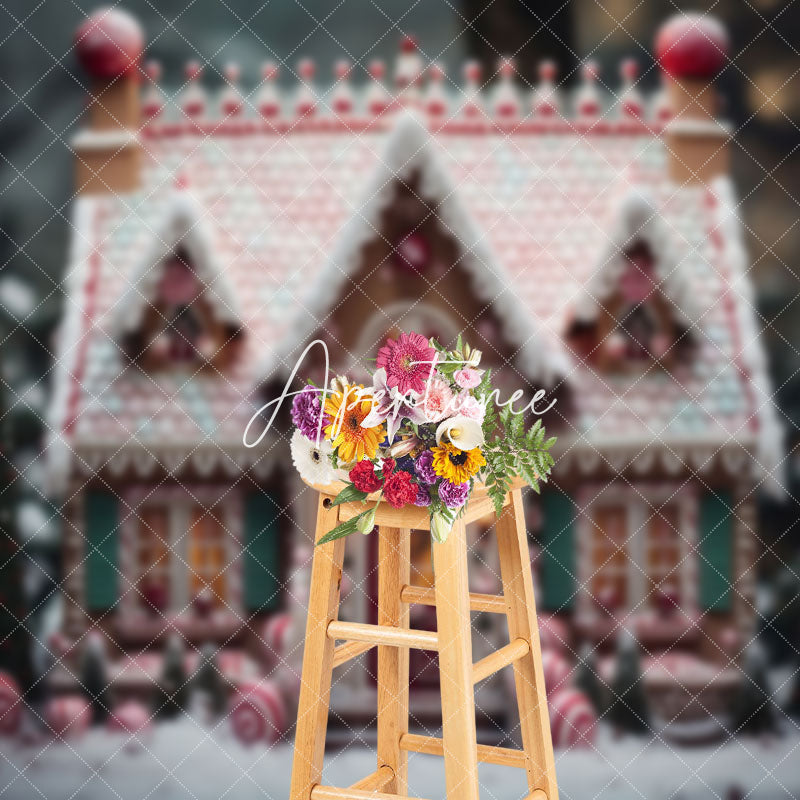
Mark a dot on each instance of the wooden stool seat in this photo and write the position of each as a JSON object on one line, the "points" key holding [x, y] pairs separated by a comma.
{"points": [[452, 640]]}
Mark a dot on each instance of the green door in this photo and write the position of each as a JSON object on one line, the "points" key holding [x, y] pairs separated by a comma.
{"points": [[558, 551], [262, 569], [101, 509], [715, 550]]}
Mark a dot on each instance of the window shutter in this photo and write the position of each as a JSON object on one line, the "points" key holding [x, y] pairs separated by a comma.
{"points": [[558, 551], [262, 552], [102, 533], [716, 551]]}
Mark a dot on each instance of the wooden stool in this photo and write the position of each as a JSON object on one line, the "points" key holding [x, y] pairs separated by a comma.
{"points": [[452, 640]]}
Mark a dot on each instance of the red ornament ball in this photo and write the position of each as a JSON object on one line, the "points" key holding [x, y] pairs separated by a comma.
{"points": [[109, 43], [692, 46]]}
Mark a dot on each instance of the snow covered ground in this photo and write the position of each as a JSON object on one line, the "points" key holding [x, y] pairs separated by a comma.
{"points": [[183, 761]]}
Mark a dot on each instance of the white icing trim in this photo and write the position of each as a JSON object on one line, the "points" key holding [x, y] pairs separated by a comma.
{"points": [[637, 442], [770, 441], [410, 148], [93, 140], [184, 225], [66, 342], [638, 220], [698, 127]]}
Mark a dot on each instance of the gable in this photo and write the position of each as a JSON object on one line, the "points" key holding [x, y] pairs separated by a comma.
{"points": [[410, 276], [639, 223], [183, 231], [411, 171]]}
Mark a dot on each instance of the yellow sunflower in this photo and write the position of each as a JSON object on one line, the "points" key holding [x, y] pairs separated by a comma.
{"points": [[456, 466], [347, 409]]}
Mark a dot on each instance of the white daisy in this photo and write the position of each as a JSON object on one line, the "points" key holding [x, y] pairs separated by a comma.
{"points": [[312, 462]]}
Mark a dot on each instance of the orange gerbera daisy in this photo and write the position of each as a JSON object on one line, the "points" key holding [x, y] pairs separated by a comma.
{"points": [[347, 410]]}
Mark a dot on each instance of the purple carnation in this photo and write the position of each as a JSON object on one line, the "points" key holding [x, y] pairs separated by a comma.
{"points": [[423, 496], [454, 495], [423, 466], [306, 412]]}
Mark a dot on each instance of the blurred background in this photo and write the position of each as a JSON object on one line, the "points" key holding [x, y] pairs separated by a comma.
{"points": [[134, 658]]}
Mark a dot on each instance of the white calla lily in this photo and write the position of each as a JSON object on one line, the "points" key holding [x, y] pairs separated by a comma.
{"points": [[463, 432]]}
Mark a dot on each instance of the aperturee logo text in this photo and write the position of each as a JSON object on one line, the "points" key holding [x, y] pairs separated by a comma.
{"points": [[427, 430]]}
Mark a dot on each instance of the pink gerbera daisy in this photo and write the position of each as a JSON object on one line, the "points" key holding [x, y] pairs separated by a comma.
{"points": [[408, 362]]}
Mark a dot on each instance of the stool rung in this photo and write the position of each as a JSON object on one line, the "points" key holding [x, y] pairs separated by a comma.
{"points": [[375, 781], [383, 635], [432, 746], [332, 793], [537, 794], [348, 651], [506, 655], [490, 603]]}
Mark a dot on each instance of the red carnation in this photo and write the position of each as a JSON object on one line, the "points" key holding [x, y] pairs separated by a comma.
{"points": [[364, 478], [399, 490], [388, 467]]}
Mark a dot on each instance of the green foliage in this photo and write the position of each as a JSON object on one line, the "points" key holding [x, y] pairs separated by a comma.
{"points": [[511, 450], [344, 528], [348, 495]]}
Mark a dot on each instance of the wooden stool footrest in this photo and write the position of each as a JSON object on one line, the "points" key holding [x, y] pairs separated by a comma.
{"points": [[512, 652], [423, 596], [348, 651], [383, 635], [332, 793], [433, 746], [376, 781]]}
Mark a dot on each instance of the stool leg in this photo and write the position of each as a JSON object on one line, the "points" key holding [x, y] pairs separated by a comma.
{"points": [[515, 569], [394, 572], [315, 687], [455, 666]]}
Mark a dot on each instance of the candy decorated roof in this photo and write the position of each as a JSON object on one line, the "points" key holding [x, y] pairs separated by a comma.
{"points": [[278, 205]]}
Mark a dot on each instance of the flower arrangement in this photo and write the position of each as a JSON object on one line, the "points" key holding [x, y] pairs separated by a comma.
{"points": [[422, 434]]}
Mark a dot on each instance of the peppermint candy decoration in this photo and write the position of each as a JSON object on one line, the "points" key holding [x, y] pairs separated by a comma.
{"points": [[573, 721], [258, 713]]}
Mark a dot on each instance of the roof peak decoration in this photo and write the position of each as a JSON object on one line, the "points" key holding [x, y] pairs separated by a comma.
{"points": [[183, 229], [359, 94]]}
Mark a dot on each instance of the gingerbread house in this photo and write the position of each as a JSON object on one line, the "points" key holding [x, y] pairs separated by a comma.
{"points": [[586, 240]]}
